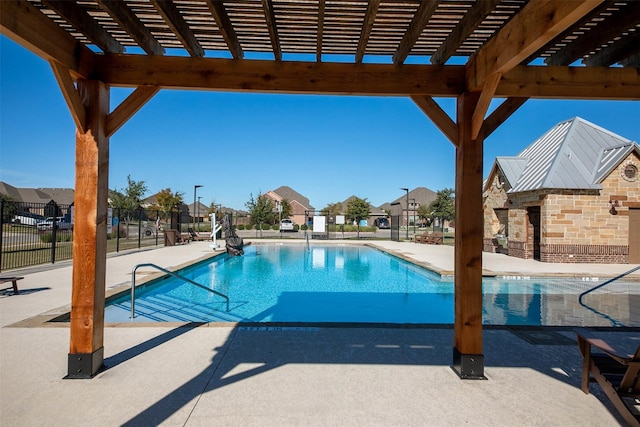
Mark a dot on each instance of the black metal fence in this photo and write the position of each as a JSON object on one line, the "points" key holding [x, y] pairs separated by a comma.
{"points": [[37, 233]]}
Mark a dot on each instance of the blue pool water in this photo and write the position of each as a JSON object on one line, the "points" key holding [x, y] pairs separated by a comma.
{"points": [[293, 283]]}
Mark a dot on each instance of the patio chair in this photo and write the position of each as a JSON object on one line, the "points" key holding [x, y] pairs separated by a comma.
{"points": [[435, 238], [420, 238], [193, 236], [615, 371]]}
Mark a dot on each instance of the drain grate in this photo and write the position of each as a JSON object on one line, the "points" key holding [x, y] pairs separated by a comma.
{"points": [[542, 337]]}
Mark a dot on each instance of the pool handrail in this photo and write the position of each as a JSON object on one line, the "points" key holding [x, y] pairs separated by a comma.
{"points": [[606, 283], [171, 273]]}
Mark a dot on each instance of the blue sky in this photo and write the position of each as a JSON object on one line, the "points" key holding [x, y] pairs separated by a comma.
{"points": [[326, 148]]}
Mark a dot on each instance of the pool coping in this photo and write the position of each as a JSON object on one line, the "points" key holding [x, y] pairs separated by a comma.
{"points": [[56, 317]]}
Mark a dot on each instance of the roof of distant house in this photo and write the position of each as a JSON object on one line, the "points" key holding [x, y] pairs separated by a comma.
{"points": [[422, 195], [291, 195], [62, 196]]}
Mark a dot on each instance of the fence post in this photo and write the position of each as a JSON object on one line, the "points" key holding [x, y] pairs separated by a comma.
{"points": [[1, 228], [118, 232], [54, 226], [139, 226]]}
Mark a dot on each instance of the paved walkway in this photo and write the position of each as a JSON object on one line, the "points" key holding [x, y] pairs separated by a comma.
{"points": [[293, 376]]}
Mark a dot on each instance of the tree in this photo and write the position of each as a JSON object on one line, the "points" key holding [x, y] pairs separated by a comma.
{"points": [[332, 209], [169, 201], [261, 210], [287, 209], [443, 206], [9, 207], [424, 213], [357, 210], [129, 198]]}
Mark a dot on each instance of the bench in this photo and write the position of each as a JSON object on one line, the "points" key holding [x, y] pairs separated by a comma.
{"points": [[14, 282]]}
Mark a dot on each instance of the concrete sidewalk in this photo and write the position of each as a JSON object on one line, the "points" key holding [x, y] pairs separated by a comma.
{"points": [[290, 375]]}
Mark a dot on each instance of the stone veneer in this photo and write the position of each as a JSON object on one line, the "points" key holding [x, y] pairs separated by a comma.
{"points": [[576, 226]]}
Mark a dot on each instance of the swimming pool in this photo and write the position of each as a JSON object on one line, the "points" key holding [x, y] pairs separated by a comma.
{"points": [[359, 284]]}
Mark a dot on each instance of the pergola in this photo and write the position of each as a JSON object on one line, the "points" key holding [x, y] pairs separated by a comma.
{"points": [[473, 51]]}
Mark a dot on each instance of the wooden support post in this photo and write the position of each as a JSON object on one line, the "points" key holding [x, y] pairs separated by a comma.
{"points": [[90, 235], [468, 360]]}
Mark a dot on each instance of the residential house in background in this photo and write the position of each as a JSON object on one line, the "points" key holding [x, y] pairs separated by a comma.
{"points": [[302, 210], [573, 195], [47, 202], [408, 212], [375, 213]]}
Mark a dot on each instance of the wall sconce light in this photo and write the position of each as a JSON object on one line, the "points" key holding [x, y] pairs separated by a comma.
{"points": [[613, 204]]}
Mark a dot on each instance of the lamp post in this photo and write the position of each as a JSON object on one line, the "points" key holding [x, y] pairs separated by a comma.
{"points": [[413, 214], [279, 205], [407, 190], [198, 212], [195, 188]]}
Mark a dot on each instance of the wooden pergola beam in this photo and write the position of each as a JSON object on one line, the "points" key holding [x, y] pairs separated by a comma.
{"points": [[597, 35], [555, 82], [26, 25], [500, 115], [278, 76], [483, 103], [226, 28], [438, 116], [179, 26], [549, 82], [367, 26], [127, 108], [320, 34], [528, 31], [70, 94], [81, 20], [471, 20], [136, 29], [419, 21], [622, 49], [270, 16]]}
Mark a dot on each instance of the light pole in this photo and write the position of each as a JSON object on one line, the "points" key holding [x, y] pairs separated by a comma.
{"points": [[413, 213], [195, 188], [279, 204], [407, 190], [198, 212]]}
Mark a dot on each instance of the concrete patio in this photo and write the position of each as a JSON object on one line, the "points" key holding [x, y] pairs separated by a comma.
{"points": [[233, 374]]}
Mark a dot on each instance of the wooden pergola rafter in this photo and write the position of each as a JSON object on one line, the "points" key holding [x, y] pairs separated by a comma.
{"points": [[472, 51]]}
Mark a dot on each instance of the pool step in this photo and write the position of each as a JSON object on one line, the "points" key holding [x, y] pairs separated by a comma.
{"points": [[165, 308]]}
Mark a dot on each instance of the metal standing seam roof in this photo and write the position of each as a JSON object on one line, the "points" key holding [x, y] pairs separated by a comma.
{"points": [[574, 154], [612, 157]]}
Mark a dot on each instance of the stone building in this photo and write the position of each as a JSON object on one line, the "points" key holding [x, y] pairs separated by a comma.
{"points": [[573, 195]]}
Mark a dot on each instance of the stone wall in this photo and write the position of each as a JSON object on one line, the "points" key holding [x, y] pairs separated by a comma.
{"points": [[575, 226]]}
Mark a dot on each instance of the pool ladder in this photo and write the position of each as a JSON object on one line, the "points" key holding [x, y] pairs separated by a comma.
{"points": [[614, 322], [171, 273], [606, 283]]}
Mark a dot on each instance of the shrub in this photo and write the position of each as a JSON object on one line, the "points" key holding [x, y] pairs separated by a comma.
{"points": [[266, 227], [240, 226], [304, 227], [296, 227], [275, 227], [61, 236]]}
